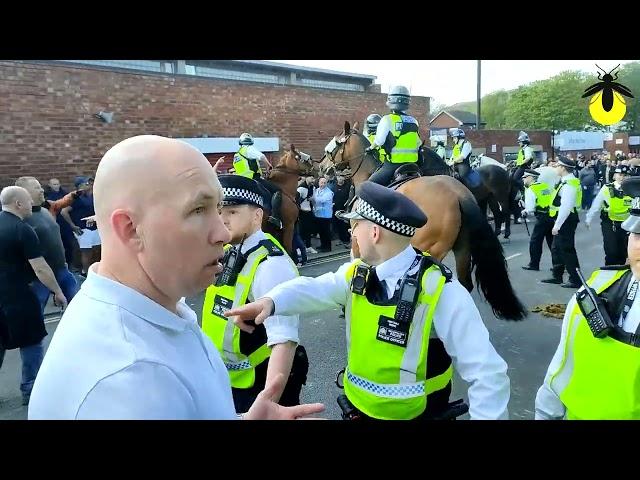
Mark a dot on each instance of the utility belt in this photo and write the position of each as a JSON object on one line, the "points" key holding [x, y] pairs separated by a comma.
{"points": [[451, 412]]}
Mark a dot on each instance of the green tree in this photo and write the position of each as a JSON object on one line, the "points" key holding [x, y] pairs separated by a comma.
{"points": [[629, 76]]}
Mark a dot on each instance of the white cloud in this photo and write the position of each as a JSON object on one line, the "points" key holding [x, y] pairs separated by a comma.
{"points": [[453, 81]]}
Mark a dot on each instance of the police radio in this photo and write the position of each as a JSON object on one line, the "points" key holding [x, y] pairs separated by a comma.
{"points": [[360, 279], [593, 309], [233, 262], [409, 291]]}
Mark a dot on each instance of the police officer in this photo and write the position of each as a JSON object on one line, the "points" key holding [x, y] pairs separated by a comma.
{"points": [[597, 378], [565, 202], [439, 147], [613, 206], [461, 152], [406, 318], [254, 263], [398, 133], [246, 163], [525, 157], [372, 123], [537, 198]]}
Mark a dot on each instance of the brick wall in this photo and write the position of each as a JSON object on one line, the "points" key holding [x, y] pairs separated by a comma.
{"points": [[47, 126], [506, 138]]}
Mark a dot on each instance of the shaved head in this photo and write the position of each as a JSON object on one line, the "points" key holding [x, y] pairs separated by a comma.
{"points": [[157, 206], [16, 200]]}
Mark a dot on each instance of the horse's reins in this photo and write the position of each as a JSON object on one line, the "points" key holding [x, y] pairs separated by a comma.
{"points": [[361, 156]]}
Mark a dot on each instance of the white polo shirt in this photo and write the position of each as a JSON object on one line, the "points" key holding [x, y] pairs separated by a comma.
{"points": [[119, 355]]}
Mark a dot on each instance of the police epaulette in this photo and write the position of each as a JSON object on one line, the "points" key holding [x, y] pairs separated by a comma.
{"points": [[272, 248], [615, 267], [446, 271]]}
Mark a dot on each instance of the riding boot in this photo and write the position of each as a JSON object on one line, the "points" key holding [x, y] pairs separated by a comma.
{"points": [[276, 207]]}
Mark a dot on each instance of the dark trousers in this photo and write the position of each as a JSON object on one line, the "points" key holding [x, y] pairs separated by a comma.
{"points": [[307, 226], [324, 229], [299, 244], [615, 242], [463, 169], [243, 398], [563, 250], [587, 196], [541, 232], [384, 175], [341, 228]]}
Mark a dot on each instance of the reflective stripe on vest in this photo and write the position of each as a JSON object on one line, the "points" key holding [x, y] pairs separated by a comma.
{"points": [[405, 149], [384, 380], [381, 151], [543, 194], [575, 184], [597, 378], [617, 208], [457, 151], [223, 332], [241, 163]]}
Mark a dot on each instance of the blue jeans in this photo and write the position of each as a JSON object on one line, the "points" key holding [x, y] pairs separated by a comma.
{"points": [[67, 283], [298, 243], [31, 360]]}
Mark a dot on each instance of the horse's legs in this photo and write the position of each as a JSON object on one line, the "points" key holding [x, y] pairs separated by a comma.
{"points": [[498, 215], [505, 204]]}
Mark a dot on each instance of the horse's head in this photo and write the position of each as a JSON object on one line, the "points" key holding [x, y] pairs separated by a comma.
{"points": [[347, 149], [295, 161]]}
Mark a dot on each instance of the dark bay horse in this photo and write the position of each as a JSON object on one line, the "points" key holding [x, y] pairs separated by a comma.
{"points": [[455, 223], [494, 191], [291, 165]]}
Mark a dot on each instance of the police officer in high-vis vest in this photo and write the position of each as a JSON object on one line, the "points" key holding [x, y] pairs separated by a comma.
{"points": [[254, 263], [406, 319], [565, 204], [462, 150], [537, 198], [525, 156], [246, 163], [371, 125], [398, 133], [439, 148], [613, 206], [594, 372]]}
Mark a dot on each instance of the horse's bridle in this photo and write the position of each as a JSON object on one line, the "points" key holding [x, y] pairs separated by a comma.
{"points": [[291, 171], [341, 144]]}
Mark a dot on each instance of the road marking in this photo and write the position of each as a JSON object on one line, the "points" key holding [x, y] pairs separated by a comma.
{"points": [[513, 256], [52, 320]]}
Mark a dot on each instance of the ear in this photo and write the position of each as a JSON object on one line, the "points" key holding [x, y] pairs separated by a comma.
{"points": [[292, 147], [356, 127], [126, 229], [347, 128]]}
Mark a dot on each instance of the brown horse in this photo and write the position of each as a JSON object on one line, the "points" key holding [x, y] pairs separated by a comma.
{"points": [[455, 223], [285, 174]]}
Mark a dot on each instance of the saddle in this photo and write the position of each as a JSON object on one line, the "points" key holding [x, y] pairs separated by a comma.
{"points": [[404, 174]]}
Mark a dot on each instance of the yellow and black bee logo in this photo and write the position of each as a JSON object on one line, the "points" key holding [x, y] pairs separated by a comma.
{"points": [[607, 105]]}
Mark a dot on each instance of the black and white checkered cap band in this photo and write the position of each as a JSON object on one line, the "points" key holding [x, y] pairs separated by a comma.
{"points": [[367, 211], [231, 195]]}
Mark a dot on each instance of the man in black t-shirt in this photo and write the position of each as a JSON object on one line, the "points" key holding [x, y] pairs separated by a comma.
{"points": [[21, 262]]}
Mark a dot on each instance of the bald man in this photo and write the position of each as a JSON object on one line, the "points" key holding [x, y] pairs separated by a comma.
{"points": [[129, 347], [21, 262]]}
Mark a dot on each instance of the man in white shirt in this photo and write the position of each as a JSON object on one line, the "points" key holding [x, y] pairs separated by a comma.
{"points": [[399, 360], [566, 201], [594, 372], [128, 347]]}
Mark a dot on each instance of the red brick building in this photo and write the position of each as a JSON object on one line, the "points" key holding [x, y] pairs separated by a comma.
{"points": [[48, 125]]}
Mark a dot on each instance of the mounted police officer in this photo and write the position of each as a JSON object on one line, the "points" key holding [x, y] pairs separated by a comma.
{"points": [[246, 163], [406, 317], [594, 372], [462, 151], [398, 134], [537, 199], [371, 126], [525, 157], [254, 263], [440, 148], [613, 206]]}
